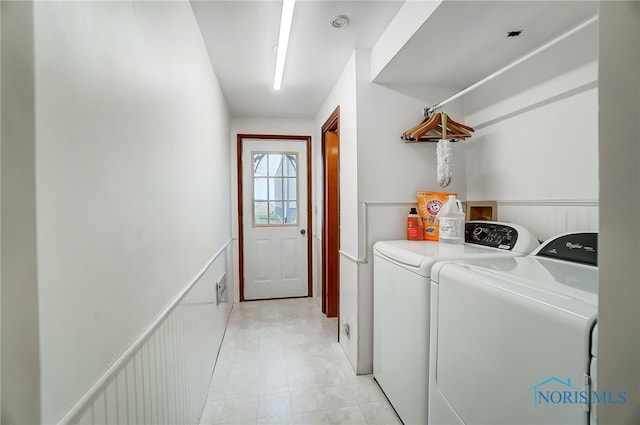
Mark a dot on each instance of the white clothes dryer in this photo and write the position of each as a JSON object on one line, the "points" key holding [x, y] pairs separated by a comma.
{"points": [[511, 338], [401, 292]]}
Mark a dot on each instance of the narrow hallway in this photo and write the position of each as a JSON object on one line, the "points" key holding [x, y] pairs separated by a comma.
{"points": [[280, 363]]}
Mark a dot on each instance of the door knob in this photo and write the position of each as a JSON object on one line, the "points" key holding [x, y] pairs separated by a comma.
{"points": [[302, 231]]}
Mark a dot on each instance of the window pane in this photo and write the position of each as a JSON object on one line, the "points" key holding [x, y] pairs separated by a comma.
{"points": [[275, 189], [260, 189], [275, 164], [260, 213], [275, 213], [291, 214], [290, 192], [290, 165], [259, 164]]}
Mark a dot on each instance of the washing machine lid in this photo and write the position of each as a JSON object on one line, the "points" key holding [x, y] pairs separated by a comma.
{"points": [[566, 280], [483, 239], [532, 277], [420, 256], [565, 263]]}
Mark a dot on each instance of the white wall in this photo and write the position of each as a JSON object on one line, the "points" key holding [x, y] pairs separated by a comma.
{"points": [[536, 138], [248, 125], [132, 179], [619, 298], [390, 172], [20, 357], [379, 178], [343, 95]]}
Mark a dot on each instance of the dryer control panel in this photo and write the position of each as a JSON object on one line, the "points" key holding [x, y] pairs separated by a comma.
{"points": [[494, 235], [573, 247]]}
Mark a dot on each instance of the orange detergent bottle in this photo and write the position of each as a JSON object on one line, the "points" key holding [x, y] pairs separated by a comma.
{"points": [[414, 226]]}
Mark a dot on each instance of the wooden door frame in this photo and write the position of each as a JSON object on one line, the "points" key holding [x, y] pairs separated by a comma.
{"points": [[266, 138], [330, 240]]}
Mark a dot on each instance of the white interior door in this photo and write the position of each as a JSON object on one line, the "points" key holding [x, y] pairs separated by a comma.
{"points": [[274, 187]]}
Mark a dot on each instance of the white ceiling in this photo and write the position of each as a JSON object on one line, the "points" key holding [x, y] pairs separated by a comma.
{"points": [[459, 44], [465, 41], [241, 37]]}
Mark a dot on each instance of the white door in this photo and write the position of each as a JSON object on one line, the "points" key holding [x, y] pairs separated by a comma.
{"points": [[274, 191]]}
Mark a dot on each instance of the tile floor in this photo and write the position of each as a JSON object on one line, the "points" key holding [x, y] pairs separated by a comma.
{"points": [[280, 363]]}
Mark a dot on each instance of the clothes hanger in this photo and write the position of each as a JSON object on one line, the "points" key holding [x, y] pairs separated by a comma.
{"points": [[428, 126], [451, 129], [437, 126], [454, 131], [407, 134], [444, 126], [437, 131], [428, 123], [466, 127]]}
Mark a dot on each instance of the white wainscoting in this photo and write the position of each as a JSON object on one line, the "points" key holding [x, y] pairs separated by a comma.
{"points": [[163, 377], [317, 270], [545, 218], [548, 218]]}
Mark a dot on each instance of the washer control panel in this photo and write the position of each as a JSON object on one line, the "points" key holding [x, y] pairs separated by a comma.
{"points": [[494, 235]]}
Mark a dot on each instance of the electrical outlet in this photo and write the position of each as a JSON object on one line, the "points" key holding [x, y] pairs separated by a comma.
{"points": [[346, 328], [221, 289]]}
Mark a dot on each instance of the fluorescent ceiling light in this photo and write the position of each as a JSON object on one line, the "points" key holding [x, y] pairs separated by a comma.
{"points": [[283, 41]]}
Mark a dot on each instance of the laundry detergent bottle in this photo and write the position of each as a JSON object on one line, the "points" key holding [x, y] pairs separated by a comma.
{"points": [[451, 221], [414, 226]]}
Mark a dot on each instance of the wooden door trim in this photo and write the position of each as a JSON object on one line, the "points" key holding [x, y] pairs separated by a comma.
{"points": [[269, 137], [330, 280]]}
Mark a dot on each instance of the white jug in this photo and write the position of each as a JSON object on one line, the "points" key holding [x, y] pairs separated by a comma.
{"points": [[451, 221]]}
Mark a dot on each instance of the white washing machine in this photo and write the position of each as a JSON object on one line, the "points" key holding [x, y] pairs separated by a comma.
{"points": [[401, 292], [511, 338]]}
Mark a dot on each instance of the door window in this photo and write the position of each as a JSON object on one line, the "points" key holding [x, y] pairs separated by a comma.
{"points": [[275, 189]]}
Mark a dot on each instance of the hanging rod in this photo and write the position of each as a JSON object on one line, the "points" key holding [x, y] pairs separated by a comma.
{"points": [[428, 111]]}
